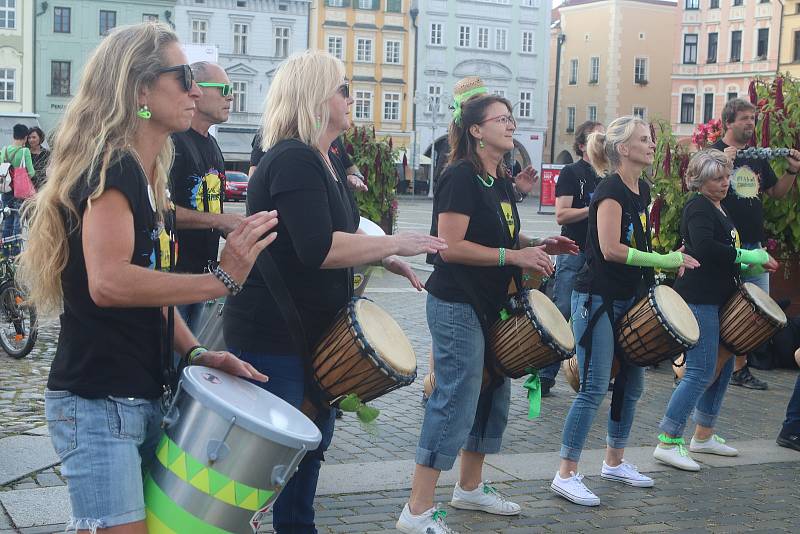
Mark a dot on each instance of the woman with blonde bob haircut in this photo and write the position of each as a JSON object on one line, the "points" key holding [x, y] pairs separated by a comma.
{"points": [[100, 251], [618, 272], [318, 244]]}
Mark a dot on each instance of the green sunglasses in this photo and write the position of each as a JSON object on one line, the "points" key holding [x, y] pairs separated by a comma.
{"points": [[225, 88]]}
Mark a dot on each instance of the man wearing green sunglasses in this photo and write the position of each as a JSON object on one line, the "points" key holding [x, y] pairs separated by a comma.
{"points": [[197, 180]]}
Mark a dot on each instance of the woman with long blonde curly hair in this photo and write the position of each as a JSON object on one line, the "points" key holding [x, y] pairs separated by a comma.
{"points": [[100, 249]]}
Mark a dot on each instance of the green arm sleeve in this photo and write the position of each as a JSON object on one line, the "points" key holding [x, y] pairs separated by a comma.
{"points": [[758, 256], [751, 270], [670, 261]]}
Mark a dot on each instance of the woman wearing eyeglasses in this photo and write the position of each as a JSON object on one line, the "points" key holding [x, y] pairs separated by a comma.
{"points": [[306, 109], [100, 249], [474, 210]]}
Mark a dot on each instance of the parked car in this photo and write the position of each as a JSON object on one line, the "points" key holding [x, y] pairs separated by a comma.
{"points": [[235, 186]]}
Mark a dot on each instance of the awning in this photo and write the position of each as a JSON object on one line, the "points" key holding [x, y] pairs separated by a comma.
{"points": [[236, 145]]}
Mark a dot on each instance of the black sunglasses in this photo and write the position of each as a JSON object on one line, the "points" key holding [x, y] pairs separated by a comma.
{"points": [[185, 75], [344, 90]]}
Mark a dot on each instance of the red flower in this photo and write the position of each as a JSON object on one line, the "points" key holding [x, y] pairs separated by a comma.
{"points": [[655, 215], [405, 160], [751, 90], [390, 143], [779, 93], [652, 132]]}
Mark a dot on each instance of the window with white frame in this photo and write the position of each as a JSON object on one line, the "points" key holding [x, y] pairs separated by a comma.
{"points": [[239, 97], [525, 99], [363, 105], [640, 70], [527, 42], [687, 108], [336, 3], [394, 6], [435, 96], [281, 41], [501, 39], [336, 46], [436, 33], [8, 85], [483, 37], [527, 3], [108, 21], [464, 34], [391, 51], [594, 69], [499, 92], [573, 71], [591, 113], [364, 50], [199, 31], [391, 106], [240, 31], [640, 112], [570, 119], [8, 14], [364, 4], [149, 17]]}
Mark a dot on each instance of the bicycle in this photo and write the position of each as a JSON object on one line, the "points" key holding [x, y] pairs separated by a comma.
{"points": [[18, 325]]}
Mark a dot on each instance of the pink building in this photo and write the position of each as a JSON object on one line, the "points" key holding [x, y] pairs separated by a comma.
{"points": [[722, 45]]}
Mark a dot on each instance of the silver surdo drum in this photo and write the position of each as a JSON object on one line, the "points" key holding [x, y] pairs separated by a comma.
{"points": [[228, 449]]}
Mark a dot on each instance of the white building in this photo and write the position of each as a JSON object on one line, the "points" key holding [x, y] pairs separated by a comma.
{"points": [[506, 43], [252, 38]]}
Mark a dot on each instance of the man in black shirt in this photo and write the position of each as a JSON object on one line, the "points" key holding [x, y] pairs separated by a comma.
{"points": [[197, 180], [576, 183], [750, 179]]}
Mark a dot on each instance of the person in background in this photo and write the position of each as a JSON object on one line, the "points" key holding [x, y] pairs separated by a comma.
{"points": [[789, 435], [576, 183], [39, 156], [17, 154]]}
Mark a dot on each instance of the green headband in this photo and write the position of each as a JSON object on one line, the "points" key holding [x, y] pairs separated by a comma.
{"points": [[460, 98]]}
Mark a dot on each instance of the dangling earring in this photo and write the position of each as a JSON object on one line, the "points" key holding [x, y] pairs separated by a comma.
{"points": [[480, 143], [144, 112], [319, 122]]}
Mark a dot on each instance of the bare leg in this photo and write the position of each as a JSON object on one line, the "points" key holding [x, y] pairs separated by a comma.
{"points": [[139, 527], [471, 470], [703, 433], [741, 361], [422, 489], [566, 467], [614, 456]]}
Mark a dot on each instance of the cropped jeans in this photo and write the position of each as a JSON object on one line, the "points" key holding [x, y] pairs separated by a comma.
{"points": [[584, 408]]}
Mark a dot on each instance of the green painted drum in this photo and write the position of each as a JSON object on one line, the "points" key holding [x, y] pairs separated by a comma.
{"points": [[228, 449]]}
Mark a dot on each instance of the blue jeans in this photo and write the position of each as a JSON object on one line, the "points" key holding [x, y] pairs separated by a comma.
{"points": [[761, 280], [584, 408], [457, 414], [104, 446], [293, 512], [698, 390], [792, 423], [191, 314], [11, 225], [567, 267]]}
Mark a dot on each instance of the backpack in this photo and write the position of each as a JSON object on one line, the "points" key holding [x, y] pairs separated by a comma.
{"points": [[5, 173]]}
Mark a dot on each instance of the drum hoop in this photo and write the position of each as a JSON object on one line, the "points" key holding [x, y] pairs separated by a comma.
{"points": [[651, 298], [544, 335], [757, 309], [361, 339]]}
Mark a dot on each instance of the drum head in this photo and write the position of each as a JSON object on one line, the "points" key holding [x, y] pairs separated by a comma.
{"points": [[385, 337], [550, 320], [764, 303], [369, 227], [677, 313], [254, 408]]}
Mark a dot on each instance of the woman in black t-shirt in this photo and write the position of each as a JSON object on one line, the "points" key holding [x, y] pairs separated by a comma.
{"points": [[318, 244], [100, 248], [618, 259], [709, 235], [474, 209]]}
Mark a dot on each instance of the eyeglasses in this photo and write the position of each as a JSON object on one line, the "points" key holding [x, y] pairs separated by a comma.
{"points": [[503, 120], [344, 90], [224, 88], [186, 76]]}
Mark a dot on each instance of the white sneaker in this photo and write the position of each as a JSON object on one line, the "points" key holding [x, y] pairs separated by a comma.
{"points": [[573, 489], [627, 474], [484, 498], [428, 522], [676, 456], [714, 445]]}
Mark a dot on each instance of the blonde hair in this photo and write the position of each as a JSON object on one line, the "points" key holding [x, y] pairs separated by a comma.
{"points": [[95, 132], [603, 148], [295, 105], [705, 165]]}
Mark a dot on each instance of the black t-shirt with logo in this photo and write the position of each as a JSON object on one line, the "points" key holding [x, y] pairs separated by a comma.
{"points": [[311, 204], [337, 148], [197, 179], [711, 238], [607, 278], [577, 180], [493, 222], [749, 179], [112, 351]]}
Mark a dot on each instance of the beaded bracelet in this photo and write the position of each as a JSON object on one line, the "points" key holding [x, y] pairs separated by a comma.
{"points": [[195, 353], [501, 261], [233, 287]]}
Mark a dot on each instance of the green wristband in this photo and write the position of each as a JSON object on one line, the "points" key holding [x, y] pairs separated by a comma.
{"points": [[757, 256], [669, 261], [195, 353]]}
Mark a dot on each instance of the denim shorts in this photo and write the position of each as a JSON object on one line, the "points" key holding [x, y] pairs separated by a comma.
{"points": [[104, 446]]}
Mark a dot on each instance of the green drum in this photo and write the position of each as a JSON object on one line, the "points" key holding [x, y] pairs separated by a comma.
{"points": [[228, 449]]}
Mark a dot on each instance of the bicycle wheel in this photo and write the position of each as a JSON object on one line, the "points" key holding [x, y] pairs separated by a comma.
{"points": [[18, 327]]}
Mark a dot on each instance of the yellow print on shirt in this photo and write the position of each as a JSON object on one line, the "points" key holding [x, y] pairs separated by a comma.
{"points": [[161, 246], [632, 234], [509, 215], [214, 190], [744, 182]]}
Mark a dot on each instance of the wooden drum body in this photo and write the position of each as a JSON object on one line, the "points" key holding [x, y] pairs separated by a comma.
{"points": [[532, 340], [749, 319], [364, 352], [659, 327], [573, 375]]}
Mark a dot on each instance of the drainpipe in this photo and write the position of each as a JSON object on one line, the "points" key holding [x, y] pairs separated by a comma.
{"points": [[414, 12], [560, 41], [36, 15], [780, 40]]}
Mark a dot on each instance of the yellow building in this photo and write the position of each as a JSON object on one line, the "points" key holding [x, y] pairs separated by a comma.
{"points": [[375, 39], [789, 53]]}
